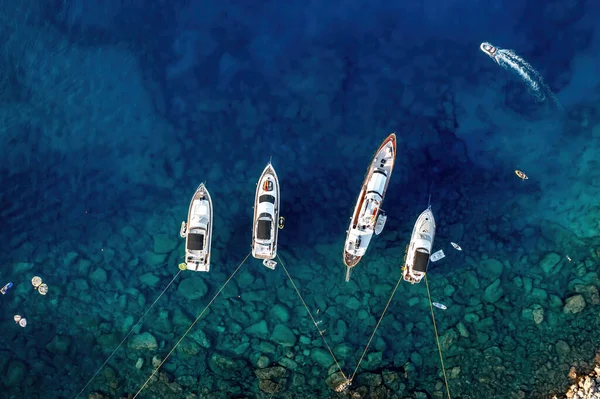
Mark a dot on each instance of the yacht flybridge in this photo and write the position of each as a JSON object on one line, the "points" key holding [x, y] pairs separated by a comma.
{"points": [[368, 218], [266, 217], [419, 249], [197, 231]]}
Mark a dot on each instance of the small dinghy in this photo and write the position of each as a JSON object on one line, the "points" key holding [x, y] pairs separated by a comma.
{"points": [[419, 248], [266, 217], [197, 231], [368, 218]]}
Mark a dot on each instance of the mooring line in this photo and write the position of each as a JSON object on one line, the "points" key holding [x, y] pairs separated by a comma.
{"points": [[437, 338], [313, 319], [128, 334], [376, 327], [191, 326]]}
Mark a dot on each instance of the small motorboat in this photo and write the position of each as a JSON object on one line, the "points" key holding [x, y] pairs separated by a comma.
{"points": [[419, 249], [368, 218], [266, 217], [197, 231]]}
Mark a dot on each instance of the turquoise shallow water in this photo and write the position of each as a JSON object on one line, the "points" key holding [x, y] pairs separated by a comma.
{"points": [[113, 112]]}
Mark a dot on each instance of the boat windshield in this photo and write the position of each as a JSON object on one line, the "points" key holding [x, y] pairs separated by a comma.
{"points": [[263, 230], [421, 261], [195, 241]]}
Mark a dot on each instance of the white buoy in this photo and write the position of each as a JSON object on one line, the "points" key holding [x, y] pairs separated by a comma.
{"points": [[36, 281], [43, 289]]}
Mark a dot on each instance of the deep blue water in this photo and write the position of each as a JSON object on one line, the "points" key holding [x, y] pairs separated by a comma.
{"points": [[112, 112]]}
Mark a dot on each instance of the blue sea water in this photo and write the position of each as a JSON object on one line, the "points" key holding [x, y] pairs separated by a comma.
{"points": [[112, 113]]}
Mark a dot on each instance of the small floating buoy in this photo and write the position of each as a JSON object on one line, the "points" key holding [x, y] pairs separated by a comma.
{"points": [[43, 289], [182, 266], [439, 305], [36, 281], [456, 246], [521, 174]]}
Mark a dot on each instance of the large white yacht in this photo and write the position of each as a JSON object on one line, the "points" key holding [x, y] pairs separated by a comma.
{"points": [[419, 249], [197, 231], [266, 217], [368, 218]]}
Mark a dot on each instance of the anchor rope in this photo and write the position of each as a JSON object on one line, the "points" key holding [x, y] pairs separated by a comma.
{"points": [[376, 327], [191, 326], [437, 338], [313, 319], [129, 333]]}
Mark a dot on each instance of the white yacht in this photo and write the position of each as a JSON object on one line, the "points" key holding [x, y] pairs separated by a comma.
{"points": [[197, 231], [419, 249], [368, 218], [266, 217]]}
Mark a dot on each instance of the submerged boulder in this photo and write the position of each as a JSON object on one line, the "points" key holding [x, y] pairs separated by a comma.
{"points": [[551, 264], [574, 304], [143, 341], [192, 288], [283, 335]]}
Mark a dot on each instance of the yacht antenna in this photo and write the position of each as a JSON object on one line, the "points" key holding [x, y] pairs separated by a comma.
{"points": [[429, 201]]}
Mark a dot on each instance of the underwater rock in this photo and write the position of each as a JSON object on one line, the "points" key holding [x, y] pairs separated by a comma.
{"points": [[200, 337], [70, 258], [15, 373], [189, 347], [574, 304], [538, 314], [280, 312], [270, 373], [192, 288], [153, 259], [59, 344], [416, 359], [143, 341], [539, 294], [270, 387], [223, 365], [164, 243], [590, 293], [283, 335], [21, 267], [448, 339], [471, 318], [267, 347], [462, 330], [263, 361], [551, 263], [321, 356], [241, 348], [490, 269], [493, 292], [260, 329], [343, 350], [369, 379], [127, 323], [149, 279], [99, 276], [562, 350], [288, 363], [353, 303]]}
